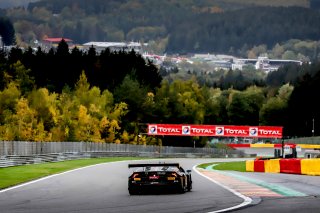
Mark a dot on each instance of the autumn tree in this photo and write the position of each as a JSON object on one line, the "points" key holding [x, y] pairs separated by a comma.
{"points": [[8, 100], [244, 107], [46, 106], [20, 124], [87, 126]]}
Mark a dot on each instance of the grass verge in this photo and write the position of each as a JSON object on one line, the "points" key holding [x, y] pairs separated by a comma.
{"points": [[12, 176], [231, 166]]}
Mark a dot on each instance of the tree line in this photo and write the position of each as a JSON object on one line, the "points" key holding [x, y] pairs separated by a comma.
{"points": [[60, 67], [62, 101]]}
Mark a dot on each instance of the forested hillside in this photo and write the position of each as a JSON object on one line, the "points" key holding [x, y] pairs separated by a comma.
{"points": [[85, 96], [232, 27], [225, 4], [15, 3], [74, 95], [248, 27]]}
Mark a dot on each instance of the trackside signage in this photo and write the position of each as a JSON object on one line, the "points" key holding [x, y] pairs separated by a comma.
{"points": [[215, 130]]}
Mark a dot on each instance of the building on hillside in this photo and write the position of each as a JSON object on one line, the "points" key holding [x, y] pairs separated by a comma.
{"points": [[263, 63], [113, 46], [154, 58], [49, 43]]}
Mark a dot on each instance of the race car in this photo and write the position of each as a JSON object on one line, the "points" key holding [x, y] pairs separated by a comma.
{"points": [[154, 177]]}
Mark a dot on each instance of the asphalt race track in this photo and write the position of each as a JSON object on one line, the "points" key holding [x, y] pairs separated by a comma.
{"points": [[103, 188]]}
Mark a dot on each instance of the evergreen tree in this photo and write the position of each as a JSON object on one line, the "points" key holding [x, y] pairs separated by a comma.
{"points": [[7, 31]]}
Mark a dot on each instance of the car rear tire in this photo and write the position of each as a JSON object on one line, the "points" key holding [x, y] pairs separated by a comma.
{"points": [[182, 190], [133, 192], [189, 187], [182, 187]]}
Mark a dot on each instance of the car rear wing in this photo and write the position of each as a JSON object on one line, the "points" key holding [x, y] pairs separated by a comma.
{"points": [[153, 165]]}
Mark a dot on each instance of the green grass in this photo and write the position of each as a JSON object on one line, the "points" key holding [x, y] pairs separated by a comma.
{"points": [[12, 176], [205, 165], [231, 166]]}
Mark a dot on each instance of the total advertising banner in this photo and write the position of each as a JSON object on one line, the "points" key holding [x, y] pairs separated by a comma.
{"points": [[215, 130]]}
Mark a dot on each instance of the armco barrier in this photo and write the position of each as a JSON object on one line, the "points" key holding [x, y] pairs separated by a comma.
{"points": [[310, 166], [290, 166]]}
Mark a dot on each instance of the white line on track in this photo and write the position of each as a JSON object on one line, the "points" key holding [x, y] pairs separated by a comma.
{"points": [[246, 200], [54, 175], [45, 178]]}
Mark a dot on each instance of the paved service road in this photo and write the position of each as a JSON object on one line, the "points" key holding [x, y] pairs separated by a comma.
{"points": [[103, 188]]}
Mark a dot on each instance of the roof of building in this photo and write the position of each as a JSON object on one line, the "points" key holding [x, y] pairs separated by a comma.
{"points": [[57, 39], [112, 44]]}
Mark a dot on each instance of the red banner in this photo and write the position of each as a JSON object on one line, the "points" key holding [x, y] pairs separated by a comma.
{"points": [[215, 130]]}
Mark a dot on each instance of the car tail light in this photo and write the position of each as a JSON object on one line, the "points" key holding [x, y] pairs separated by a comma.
{"points": [[172, 176], [136, 177]]}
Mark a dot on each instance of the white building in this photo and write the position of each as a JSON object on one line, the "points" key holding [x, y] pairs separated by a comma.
{"points": [[114, 46], [263, 63]]}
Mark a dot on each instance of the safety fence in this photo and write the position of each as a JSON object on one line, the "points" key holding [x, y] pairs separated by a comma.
{"points": [[306, 140], [32, 148], [18, 153], [290, 166]]}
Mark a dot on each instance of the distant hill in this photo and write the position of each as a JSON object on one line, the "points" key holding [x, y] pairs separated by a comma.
{"points": [[196, 5], [171, 26], [227, 4], [275, 3], [15, 3]]}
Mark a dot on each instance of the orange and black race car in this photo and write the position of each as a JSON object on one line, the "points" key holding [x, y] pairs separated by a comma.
{"points": [[159, 177]]}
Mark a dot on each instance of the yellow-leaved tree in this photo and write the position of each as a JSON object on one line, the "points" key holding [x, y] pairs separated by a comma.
{"points": [[109, 129], [8, 99], [66, 111], [125, 138], [22, 121], [109, 125], [45, 104], [87, 126]]}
